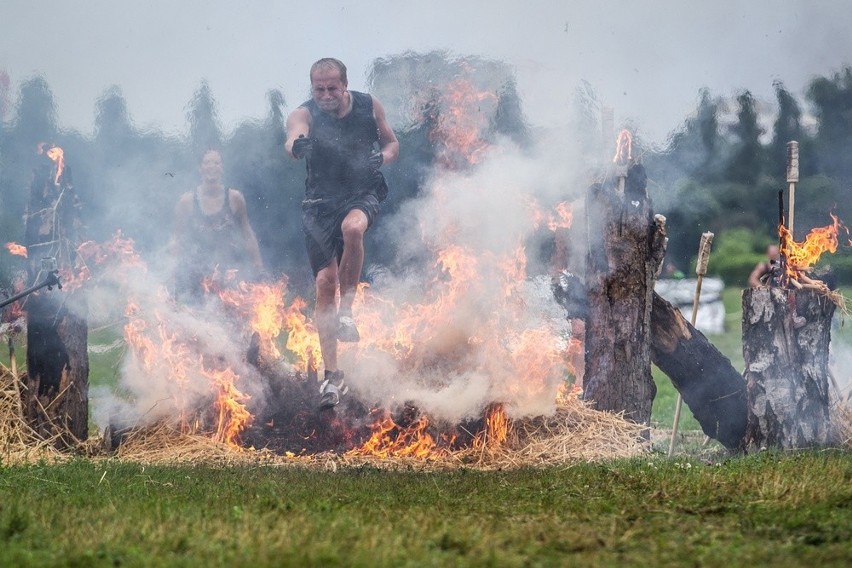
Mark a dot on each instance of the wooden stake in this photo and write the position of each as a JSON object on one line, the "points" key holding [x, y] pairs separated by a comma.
{"points": [[13, 360], [700, 271], [792, 179]]}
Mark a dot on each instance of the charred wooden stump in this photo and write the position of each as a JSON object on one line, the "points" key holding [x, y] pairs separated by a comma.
{"points": [[55, 397], [625, 248], [786, 334], [711, 387]]}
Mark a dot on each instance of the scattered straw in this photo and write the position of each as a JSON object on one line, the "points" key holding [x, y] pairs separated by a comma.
{"points": [[18, 442], [841, 418]]}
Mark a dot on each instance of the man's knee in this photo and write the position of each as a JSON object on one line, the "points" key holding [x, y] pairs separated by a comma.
{"points": [[354, 226], [326, 285]]}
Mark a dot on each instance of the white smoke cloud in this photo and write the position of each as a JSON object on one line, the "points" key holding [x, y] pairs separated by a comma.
{"points": [[462, 364]]}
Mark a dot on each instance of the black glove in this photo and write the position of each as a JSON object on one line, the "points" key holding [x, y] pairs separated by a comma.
{"points": [[301, 146], [376, 160]]}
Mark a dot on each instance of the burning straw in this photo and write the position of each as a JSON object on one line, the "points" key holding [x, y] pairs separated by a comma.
{"points": [[574, 433]]}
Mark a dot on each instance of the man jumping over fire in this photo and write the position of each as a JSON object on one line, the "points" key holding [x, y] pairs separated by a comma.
{"points": [[345, 138]]}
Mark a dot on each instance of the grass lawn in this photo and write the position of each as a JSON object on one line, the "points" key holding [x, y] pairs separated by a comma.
{"points": [[769, 509]]}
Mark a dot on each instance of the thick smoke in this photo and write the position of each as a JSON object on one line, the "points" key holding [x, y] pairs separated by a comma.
{"points": [[462, 354], [468, 279]]}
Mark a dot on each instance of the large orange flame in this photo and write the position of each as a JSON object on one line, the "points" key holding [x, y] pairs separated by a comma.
{"points": [[802, 255]]}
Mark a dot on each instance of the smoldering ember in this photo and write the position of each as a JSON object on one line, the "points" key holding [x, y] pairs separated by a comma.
{"points": [[508, 312]]}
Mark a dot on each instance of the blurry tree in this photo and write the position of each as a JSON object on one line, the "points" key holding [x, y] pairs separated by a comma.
{"points": [[587, 140], [509, 117], [746, 161], [696, 148], [204, 130], [112, 123], [34, 122], [832, 102], [787, 127]]}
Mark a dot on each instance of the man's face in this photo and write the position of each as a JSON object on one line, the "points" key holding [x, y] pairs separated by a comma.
{"points": [[211, 166], [328, 91]]}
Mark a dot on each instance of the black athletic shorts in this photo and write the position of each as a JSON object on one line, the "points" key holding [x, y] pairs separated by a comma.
{"points": [[321, 221]]}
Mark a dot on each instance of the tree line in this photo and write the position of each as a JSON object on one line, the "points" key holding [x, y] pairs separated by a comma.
{"points": [[713, 174], [724, 176]]}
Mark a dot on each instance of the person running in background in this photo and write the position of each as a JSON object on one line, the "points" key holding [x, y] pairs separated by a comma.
{"points": [[212, 238]]}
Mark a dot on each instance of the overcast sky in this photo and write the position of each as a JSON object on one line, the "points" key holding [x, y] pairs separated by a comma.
{"points": [[646, 59]]}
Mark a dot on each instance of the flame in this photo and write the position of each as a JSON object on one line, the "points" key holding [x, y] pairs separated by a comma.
{"points": [[562, 216], [232, 416], [16, 249], [496, 429], [56, 154], [263, 305], [388, 440], [115, 259], [802, 255], [302, 338], [460, 124], [623, 147]]}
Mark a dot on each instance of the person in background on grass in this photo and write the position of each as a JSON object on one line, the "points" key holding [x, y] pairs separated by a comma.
{"points": [[212, 238], [344, 138], [763, 268]]}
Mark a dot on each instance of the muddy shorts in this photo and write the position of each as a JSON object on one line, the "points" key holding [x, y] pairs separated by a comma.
{"points": [[321, 221]]}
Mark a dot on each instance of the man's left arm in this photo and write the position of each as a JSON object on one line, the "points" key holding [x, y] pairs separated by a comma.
{"points": [[387, 139]]}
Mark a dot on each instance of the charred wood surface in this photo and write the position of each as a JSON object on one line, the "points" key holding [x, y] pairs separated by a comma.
{"points": [[55, 396], [786, 335], [711, 387], [626, 247]]}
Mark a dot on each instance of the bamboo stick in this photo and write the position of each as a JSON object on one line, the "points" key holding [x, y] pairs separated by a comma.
{"points": [[700, 271], [792, 180]]}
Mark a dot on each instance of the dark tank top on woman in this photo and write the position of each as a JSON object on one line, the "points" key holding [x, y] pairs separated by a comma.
{"points": [[338, 165], [212, 245]]}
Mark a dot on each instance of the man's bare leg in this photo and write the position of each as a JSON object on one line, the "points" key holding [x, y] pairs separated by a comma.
{"points": [[326, 314], [326, 317], [352, 261]]}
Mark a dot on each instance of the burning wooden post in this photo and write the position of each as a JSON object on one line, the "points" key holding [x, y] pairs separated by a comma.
{"points": [[786, 336], [55, 397], [626, 245]]}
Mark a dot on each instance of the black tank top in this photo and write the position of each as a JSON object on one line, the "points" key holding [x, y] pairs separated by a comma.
{"points": [[338, 165], [214, 239]]}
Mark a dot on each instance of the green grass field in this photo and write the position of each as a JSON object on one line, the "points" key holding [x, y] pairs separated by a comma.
{"points": [[764, 510]]}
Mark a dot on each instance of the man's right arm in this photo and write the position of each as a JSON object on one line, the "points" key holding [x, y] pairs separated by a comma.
{"points": [[298, 124]]}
